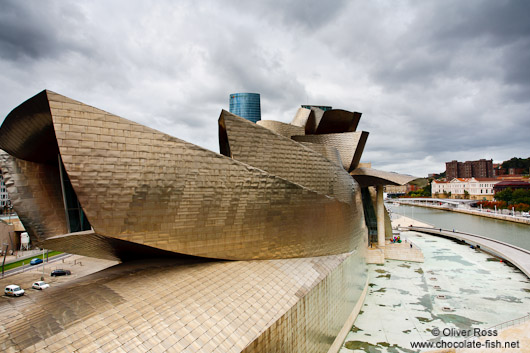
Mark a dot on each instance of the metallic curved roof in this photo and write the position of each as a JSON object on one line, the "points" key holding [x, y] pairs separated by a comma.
{"points": [[139, 186], [373, 177]]}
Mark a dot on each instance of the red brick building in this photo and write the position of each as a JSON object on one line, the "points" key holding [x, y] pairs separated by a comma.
{"points": [[479, 169]]}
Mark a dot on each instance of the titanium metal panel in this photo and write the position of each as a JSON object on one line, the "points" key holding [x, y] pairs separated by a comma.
{"points": [[145, 192], [301, 117], [285, 158], [280, 128], [349, 144], [331, 153], [35, 192], [308, 119], [269, 306], [338, 120], [139, 185], [373, 177]]}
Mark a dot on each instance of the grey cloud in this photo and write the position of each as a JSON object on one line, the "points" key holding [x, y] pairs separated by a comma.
{"points": [[32, 29], [435, 81], [307, 15]]}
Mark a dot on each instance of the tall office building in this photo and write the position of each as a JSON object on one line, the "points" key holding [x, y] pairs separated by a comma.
{"points": [[246, 105]]}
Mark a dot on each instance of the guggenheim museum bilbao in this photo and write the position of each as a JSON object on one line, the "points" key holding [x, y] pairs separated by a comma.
{"points": [[260, 248]]}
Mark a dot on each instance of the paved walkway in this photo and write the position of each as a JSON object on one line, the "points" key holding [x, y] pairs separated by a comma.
{"points": [[517, 256], [476, 212], [399, 221], [517, 338]]}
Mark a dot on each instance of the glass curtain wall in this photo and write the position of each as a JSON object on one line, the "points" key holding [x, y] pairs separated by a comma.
{"points": [[75, 217]]}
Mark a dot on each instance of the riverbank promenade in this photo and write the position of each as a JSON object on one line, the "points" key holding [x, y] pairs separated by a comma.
{"points": [[462, 206], [515, 255]]}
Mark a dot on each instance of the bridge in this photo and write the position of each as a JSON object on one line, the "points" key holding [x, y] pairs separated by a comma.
{"points": [[454, 203]]}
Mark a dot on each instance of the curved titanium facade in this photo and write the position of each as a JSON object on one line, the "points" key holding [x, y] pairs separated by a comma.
{"points": [[287, 130], [246, 105], [372, 177], [268, 306], [88, 182], [343, 143], [269, 197]]}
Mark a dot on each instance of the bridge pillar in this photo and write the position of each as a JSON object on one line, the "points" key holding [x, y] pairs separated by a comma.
{"points": [[380, 214]]}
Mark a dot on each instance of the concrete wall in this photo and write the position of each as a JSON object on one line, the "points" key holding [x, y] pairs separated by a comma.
{"points": [[8, 236]]}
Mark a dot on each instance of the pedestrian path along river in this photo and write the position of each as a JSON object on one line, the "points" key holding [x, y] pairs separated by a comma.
{"points": [[509, 232]]}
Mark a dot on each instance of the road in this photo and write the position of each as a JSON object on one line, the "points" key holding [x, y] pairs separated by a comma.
{"points": [[24, 268]]}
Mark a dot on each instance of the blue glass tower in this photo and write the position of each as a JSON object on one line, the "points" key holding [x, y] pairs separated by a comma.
{"points": [[246, 105]]}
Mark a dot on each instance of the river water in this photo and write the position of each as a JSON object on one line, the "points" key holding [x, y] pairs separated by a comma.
{"points": [[513, 233]]}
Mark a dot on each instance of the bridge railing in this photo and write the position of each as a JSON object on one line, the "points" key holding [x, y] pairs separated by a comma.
{"points": [[441, 230]]}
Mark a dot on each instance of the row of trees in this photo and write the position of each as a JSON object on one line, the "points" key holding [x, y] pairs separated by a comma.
{"points": [[519, 199]]}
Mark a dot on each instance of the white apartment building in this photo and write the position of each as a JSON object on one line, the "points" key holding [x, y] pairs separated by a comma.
{"points": [[477, 188]]}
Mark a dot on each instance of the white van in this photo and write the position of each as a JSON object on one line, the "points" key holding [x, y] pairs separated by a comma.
{"points": [[14, 290]]}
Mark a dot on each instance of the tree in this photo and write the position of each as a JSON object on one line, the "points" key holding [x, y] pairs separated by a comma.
{"points": [[517, 163], [504, 195], [521, 196]]}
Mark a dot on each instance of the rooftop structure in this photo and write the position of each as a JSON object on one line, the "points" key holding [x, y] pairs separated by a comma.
{"points": [[512, 184]]}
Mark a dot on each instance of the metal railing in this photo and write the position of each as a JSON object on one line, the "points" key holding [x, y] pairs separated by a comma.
{"points": [[440, 230], [500, 326], [498, 214], [510, 323]]}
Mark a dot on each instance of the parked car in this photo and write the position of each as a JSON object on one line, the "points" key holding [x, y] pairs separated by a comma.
{"points": [[525, 214], [14, 290], [60, 272], [40, 285], [35, 261]]}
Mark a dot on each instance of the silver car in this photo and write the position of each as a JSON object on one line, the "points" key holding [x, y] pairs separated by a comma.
{"points": [[40, 285]]}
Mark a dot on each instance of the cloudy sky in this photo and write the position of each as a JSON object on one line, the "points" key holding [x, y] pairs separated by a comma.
{"points": [[435, 80]]}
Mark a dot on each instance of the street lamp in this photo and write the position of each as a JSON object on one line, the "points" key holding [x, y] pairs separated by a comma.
{"points": [[42, 278], [5, 254]]}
